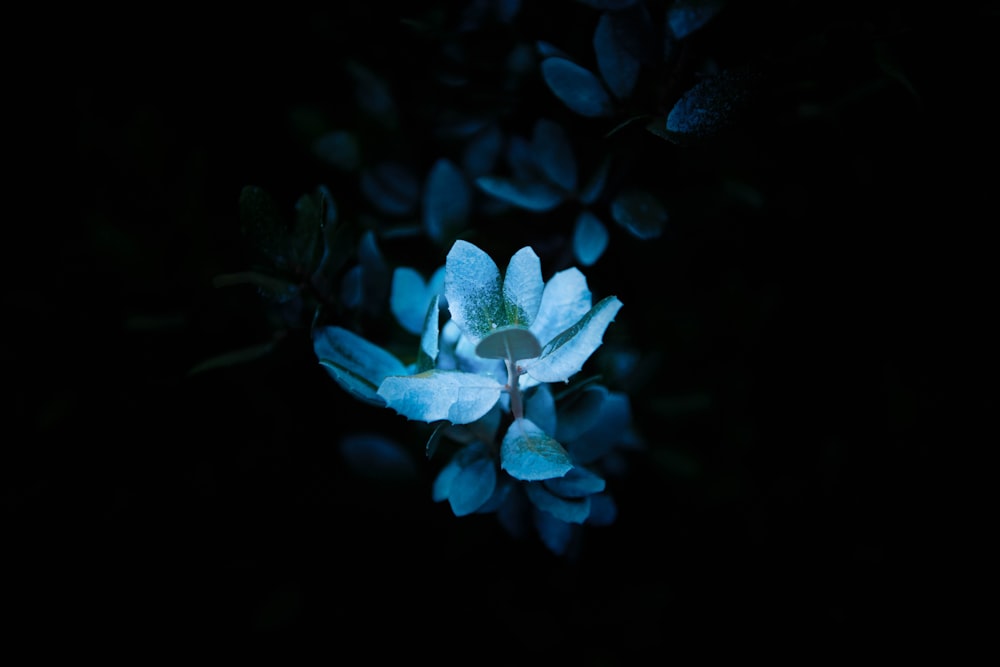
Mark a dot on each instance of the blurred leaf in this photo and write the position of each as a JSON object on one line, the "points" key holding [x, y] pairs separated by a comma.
{"points": [[391, 187], [356, 364], [373, 94], [553, 153], [617, 65], [639, 212], [264, 226], [234, 358], [409, 295], [590, 238], [578, 88], [570, 510], [608, 5], [555, 534], [375, 456], [447, 201], [482, 151], [687, 16], [576, 483], [531, 195], [340, 149], [595, 186]]}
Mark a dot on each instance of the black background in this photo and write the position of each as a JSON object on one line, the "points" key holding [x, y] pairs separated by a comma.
{"points": [[831, 330]]}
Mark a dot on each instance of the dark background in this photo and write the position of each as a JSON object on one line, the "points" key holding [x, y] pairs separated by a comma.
{"points": [[829, 330]]}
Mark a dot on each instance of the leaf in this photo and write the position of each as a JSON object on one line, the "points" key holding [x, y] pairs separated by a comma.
{"points": [[522, 287], [340, 149], [618, 66], [529, 195], [480, 155], [710, 106], [603, 510], [565, 354], [391, 187], [608, 5], [570, 510], [408, 296], [433, 395], [565, 299], [527, 453], [357, 365], [472, 287], [472, 486], [264, 226], [375, 456], [447, 201], [578, 88], [611, 427], [639, 212], [555, 534], [577, 483], [540, 407], [428, 353], [373, 94], [553, 153], [373, 278], [590, 238], [579, 413], [510, 342], [687, 16], [241, 356], [595, 186]]}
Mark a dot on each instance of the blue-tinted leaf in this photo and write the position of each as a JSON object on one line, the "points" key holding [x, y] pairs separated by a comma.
{"points": [[391, 187], [565, 299], [580, 412], [482, 152], [375, 276], [549, 50], [512, 342], [373, 94], [429, 337], [639, 212], [555, 534], [472, 286], [408, 298], [570, 510], [609, 5], [376, 456], [522, 287], [356, 364], [603, 510], [540, 407], [446, 202], [434, 395], [709, 107], [578, 88], [577, 483], [612, 427], [340, 149], [530, 195], [350, 287], [686, 16], [565, 354], [595, 186], [472, 487], [527, 453], [590, 238], [553, 153], [617, 65]]}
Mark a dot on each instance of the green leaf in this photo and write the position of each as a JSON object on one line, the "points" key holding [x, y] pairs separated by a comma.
{"points": [[528, 453], [565, 354], [433, 395]]}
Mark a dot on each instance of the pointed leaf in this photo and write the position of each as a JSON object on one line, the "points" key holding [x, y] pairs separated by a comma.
{"points": [[578, 88], [527, 453], [565, 354], [553, 153], [590, 238], [447, 201], [472, 286], [529, 195], [357, 365], [482, 152], [570, 510], [712, 105], [639, 212], [428, 353], [617, 65], [556, 534], [595, 186], [565, 299], [391, 187], [433, 395], [522, 287]]}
